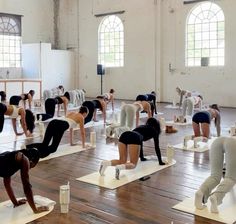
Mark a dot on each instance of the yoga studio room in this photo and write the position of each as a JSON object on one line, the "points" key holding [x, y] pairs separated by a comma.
{"points": [[117, 112]]}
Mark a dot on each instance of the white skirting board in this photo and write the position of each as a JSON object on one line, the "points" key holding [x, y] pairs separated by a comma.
{"points": [[23, 214], [178, 123], [11, 137], [226, 209], [64, 150], [202, 146], [126, 176]]}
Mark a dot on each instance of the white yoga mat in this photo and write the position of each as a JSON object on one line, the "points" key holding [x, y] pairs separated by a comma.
{"points": [[94, 124], [11, 137], [66, 149], [202, 146], [126, 176], [23, 214], [172, 107], [226, 209]]}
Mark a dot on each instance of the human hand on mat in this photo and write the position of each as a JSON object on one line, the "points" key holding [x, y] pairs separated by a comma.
{"points": [[20, 202], [41, 209]]}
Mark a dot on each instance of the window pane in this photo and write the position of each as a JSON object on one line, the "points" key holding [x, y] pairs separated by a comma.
{"points": [[112, 46], [206, 39]]}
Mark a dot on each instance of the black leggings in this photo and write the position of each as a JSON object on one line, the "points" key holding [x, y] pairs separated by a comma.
{"points": [[15, 100], [54, 132], [3, 109], [50, 107], [91, 108]]}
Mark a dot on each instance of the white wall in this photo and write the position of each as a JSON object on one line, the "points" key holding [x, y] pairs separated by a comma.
{"points": [[154, 37], [54, 67], [138, 74]]}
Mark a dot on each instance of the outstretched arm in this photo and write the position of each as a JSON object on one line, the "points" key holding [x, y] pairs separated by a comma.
{"points": [[14, 127], [25, 166], [82, 132], [9, 190]]}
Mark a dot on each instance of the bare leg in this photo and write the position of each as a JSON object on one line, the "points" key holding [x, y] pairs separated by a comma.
{"points": [[196, 129], [205, 130]]}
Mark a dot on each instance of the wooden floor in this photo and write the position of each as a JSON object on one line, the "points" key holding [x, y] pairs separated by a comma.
{"points": [[144, 202]]}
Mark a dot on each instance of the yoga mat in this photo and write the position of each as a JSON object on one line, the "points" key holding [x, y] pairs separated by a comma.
{"points": [[11, 137], [172, 107], [202, 146], [126, 176], [226, 209], [66, 149], [23, 214]]}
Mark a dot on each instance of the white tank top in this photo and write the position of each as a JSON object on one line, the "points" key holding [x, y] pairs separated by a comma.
{"points": [[71, 122], [15, 112]]}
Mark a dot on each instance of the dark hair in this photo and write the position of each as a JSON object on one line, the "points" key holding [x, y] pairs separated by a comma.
{"points": [[83, 109], [200, 96], [3, 96], [32, 154], [112, 91], [100, 97], [32, 92], [215, 106], [29, 120], [67, 95], [153, 93], [154, 123]]}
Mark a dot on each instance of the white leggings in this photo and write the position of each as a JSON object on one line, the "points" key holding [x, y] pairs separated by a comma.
{"points": [[127, 115], [222, 146], [188, 106]]}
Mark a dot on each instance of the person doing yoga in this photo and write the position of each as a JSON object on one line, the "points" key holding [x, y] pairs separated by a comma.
{"points": [[55, 130], [189, 103], [22, 160], [201, 121], [150, 97], [151, 130], [129, 111], [50, 106], [109, 97], [222, 148], [15, 100], [129, 147], [26, 118], [98, 103]]}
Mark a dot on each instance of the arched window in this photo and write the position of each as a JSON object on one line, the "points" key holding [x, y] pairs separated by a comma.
{"points": [[10, 40], [205, 36], [111, 42]]}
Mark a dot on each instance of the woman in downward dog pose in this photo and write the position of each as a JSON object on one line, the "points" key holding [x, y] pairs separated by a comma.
{"points": [[222, 147], [131, 144], [56, 129]]}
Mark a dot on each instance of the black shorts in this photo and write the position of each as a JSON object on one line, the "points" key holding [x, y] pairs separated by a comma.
{"points": [[202, 117], [131, 137]]}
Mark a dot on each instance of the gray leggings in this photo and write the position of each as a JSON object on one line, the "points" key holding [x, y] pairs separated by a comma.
{"points": [[127, 115], [222, 146], [188, 106]]}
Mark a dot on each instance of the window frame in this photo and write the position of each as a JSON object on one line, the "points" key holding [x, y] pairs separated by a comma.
{"points": [[207, 43], [111, 42]]}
